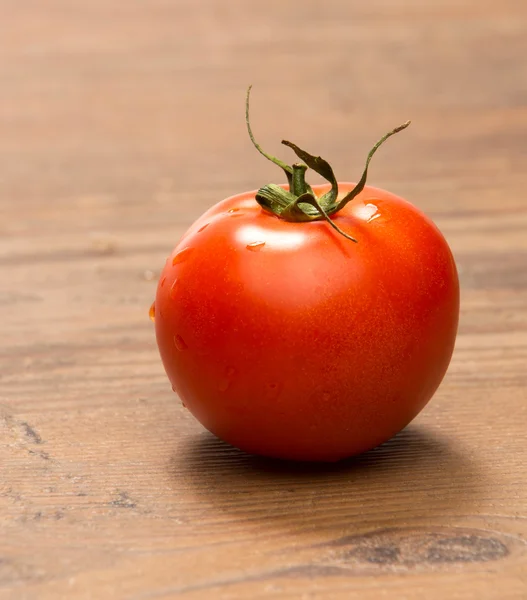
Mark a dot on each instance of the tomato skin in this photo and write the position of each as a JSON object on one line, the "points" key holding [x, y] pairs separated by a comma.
{"points": [[288, 340]]}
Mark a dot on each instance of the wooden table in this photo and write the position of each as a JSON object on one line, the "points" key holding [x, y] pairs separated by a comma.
{"points": [[120, 122]]}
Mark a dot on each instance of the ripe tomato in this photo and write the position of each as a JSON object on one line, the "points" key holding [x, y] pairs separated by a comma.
{"points": [[287, 339]]}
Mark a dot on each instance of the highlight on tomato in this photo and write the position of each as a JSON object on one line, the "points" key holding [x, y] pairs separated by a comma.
{"points": [[308, 322]]}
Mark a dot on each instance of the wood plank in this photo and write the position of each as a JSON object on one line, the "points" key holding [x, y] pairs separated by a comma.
{"points": [[120, 123]]}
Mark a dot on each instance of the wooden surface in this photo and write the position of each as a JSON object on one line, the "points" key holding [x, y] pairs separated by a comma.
{"points": [[120, 122]]}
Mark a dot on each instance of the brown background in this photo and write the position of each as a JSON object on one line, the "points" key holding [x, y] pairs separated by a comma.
{"points": [[120, 122]]}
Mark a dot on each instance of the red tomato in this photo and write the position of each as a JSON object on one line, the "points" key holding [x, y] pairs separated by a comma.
{"points": [[288, 340]]}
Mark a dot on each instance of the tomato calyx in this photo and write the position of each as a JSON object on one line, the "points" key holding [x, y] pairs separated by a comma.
{"points": [[299, 203]]}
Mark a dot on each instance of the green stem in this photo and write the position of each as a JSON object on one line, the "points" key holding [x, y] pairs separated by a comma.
{"points": [[362, 182], [320, 166], [294, 213], [298, 183], [300, 203], [285, 167]]}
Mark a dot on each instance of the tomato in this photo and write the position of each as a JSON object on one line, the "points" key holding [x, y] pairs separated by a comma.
{"points": [[287, 339]]}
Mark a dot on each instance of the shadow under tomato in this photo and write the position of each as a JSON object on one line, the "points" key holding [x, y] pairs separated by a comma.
{"points": [[417, 476]]}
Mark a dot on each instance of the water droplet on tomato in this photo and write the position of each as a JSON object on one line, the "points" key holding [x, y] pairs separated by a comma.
{"points": [[255, 246], [180, 343], [373, 217], [163, 281], [152, 312], [174, 389], [182, 256], [173, 289], [365, 211], [183, 404], [225, 383], [234, 212], [203, 227]]}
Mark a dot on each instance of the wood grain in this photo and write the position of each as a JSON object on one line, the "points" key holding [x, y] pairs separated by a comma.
{"points": [[120, 122]]}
